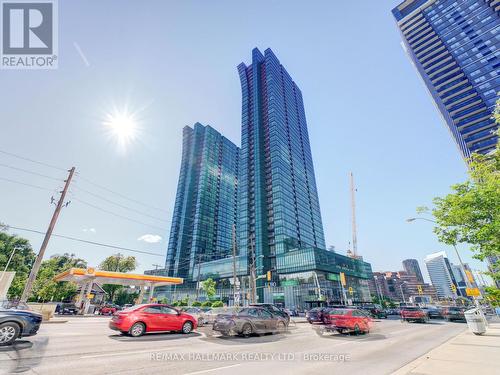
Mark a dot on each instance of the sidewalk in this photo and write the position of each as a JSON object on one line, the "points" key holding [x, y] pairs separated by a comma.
{"points": [[463, 354]]}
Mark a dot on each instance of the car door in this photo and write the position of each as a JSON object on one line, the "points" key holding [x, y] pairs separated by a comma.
{"points": [[170, 319], [151, 315], [257, 319], [269, 321]]}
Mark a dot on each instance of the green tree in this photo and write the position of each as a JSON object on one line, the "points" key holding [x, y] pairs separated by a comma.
{"points": [[470, 214], [21, 262], [45, 288], [123, 297], [209, 287], [117, 263]]}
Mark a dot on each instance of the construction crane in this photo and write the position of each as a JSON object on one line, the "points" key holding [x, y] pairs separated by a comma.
{"points": [[354, 252]]}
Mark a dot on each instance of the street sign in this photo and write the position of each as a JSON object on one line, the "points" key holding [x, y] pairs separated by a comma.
{"points": [[472, 292], [342, 279]]}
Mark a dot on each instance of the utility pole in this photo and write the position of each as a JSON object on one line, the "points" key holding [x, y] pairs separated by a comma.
{"points": [[353, 223], [253, 276], [199, 277], [235, 280], [39, 258]]}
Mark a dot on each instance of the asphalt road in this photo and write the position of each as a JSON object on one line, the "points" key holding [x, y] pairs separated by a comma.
{"points": [[87, 345]]}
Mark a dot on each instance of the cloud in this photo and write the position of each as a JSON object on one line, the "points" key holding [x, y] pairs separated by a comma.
{"points": [[150, 238], [91, 230]]}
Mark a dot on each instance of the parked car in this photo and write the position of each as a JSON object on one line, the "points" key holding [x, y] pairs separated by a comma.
{"points": [[140, 319], [273, 309], [454, 313], [109, 310], [375, 311], [67, 309], [248, 321], [348, 320], [316, 315], [433, 312], [414, 314], [16, 323]]}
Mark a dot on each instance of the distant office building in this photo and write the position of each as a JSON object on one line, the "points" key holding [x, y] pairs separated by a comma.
{"points": [[459, 278], [401, 286], [411, 266], [453, 44], [205, 209], [441, 275]]}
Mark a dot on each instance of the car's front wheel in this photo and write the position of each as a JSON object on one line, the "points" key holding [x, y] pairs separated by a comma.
{"points": [[8, 333], [281, 327], [187, 327], [138, 329]]}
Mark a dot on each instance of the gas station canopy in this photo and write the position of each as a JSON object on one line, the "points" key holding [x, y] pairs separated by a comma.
{"points": [[81, 276]]}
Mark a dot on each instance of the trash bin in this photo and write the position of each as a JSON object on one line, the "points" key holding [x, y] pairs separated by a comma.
{"points": [[475, 321]]}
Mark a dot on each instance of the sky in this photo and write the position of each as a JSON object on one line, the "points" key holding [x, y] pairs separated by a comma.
{"points": [[173, 63]]}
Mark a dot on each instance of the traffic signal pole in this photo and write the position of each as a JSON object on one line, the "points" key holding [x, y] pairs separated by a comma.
{"points": [[38, 261]]}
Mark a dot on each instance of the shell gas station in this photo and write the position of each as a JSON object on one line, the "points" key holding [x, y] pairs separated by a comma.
{"points": [[85, 278]]}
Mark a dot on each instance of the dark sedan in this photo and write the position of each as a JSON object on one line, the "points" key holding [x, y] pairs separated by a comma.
{"points": [[316, 315], [434, 312], [454, 313], [273, 309], [248, 321], [16, 323]]}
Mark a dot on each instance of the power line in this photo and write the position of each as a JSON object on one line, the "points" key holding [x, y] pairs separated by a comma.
{"points": [[118, 215], [88, 242], [120, 205], [30, 172], [32, 160], [26, 184], [121, 195]]}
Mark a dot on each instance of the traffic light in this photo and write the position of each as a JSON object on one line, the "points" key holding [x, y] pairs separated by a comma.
{"points": [[269, 275], [420, 290], [342, 279]]}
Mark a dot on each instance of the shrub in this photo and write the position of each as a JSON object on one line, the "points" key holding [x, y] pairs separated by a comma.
{"points": [[217, 304], [206, 304], [196, 304]]}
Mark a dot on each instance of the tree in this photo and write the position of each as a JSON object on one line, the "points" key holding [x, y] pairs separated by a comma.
{"points": [[46, 288], [117, 263], [124, 297], [21, 262], [471, 212], [209, 287]]}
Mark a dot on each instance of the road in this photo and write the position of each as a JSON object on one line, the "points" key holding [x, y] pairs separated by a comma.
{"points": [[88, 346]]}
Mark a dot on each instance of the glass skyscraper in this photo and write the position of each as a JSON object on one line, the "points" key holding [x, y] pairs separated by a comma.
{"points": [[278, 204], [205, 210], [454, 46]]}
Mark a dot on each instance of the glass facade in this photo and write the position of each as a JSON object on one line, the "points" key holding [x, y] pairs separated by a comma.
{"points": [[278, 199], [205, 208], [454, 46]]}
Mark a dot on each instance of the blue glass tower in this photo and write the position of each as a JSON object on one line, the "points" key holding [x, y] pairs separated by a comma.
{"points": [[454, 46], [205, 209], [278, 200]]}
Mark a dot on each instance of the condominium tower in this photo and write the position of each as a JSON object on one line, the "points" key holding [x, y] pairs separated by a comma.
{"points": [[454, 47]]}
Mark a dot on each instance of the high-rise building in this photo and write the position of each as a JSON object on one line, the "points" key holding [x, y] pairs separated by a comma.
{"points": [[279, 206], [441, 275], [274, 206], [454, 46], [411, 266], [205, 210]]}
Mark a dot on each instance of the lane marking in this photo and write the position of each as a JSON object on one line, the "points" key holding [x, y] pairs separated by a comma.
{"points": [[212, 369]]}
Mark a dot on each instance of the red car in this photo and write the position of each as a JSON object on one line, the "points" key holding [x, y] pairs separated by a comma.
{"points": [[414, 314], [108, 310], [343, 320], [140, 319]]}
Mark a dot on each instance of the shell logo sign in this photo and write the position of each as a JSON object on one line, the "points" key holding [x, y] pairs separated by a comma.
{"points": [[90, 270]]}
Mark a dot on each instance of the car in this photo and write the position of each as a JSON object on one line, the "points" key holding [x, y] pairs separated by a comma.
{"points": [[210, 314], [315, 315], [67, 309], [348, 320], [146, 318], [454, 313], [248, 321], [109, 310], [273, 309], [375, 311], [433, 312], [413, 314], [16, 323]]}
